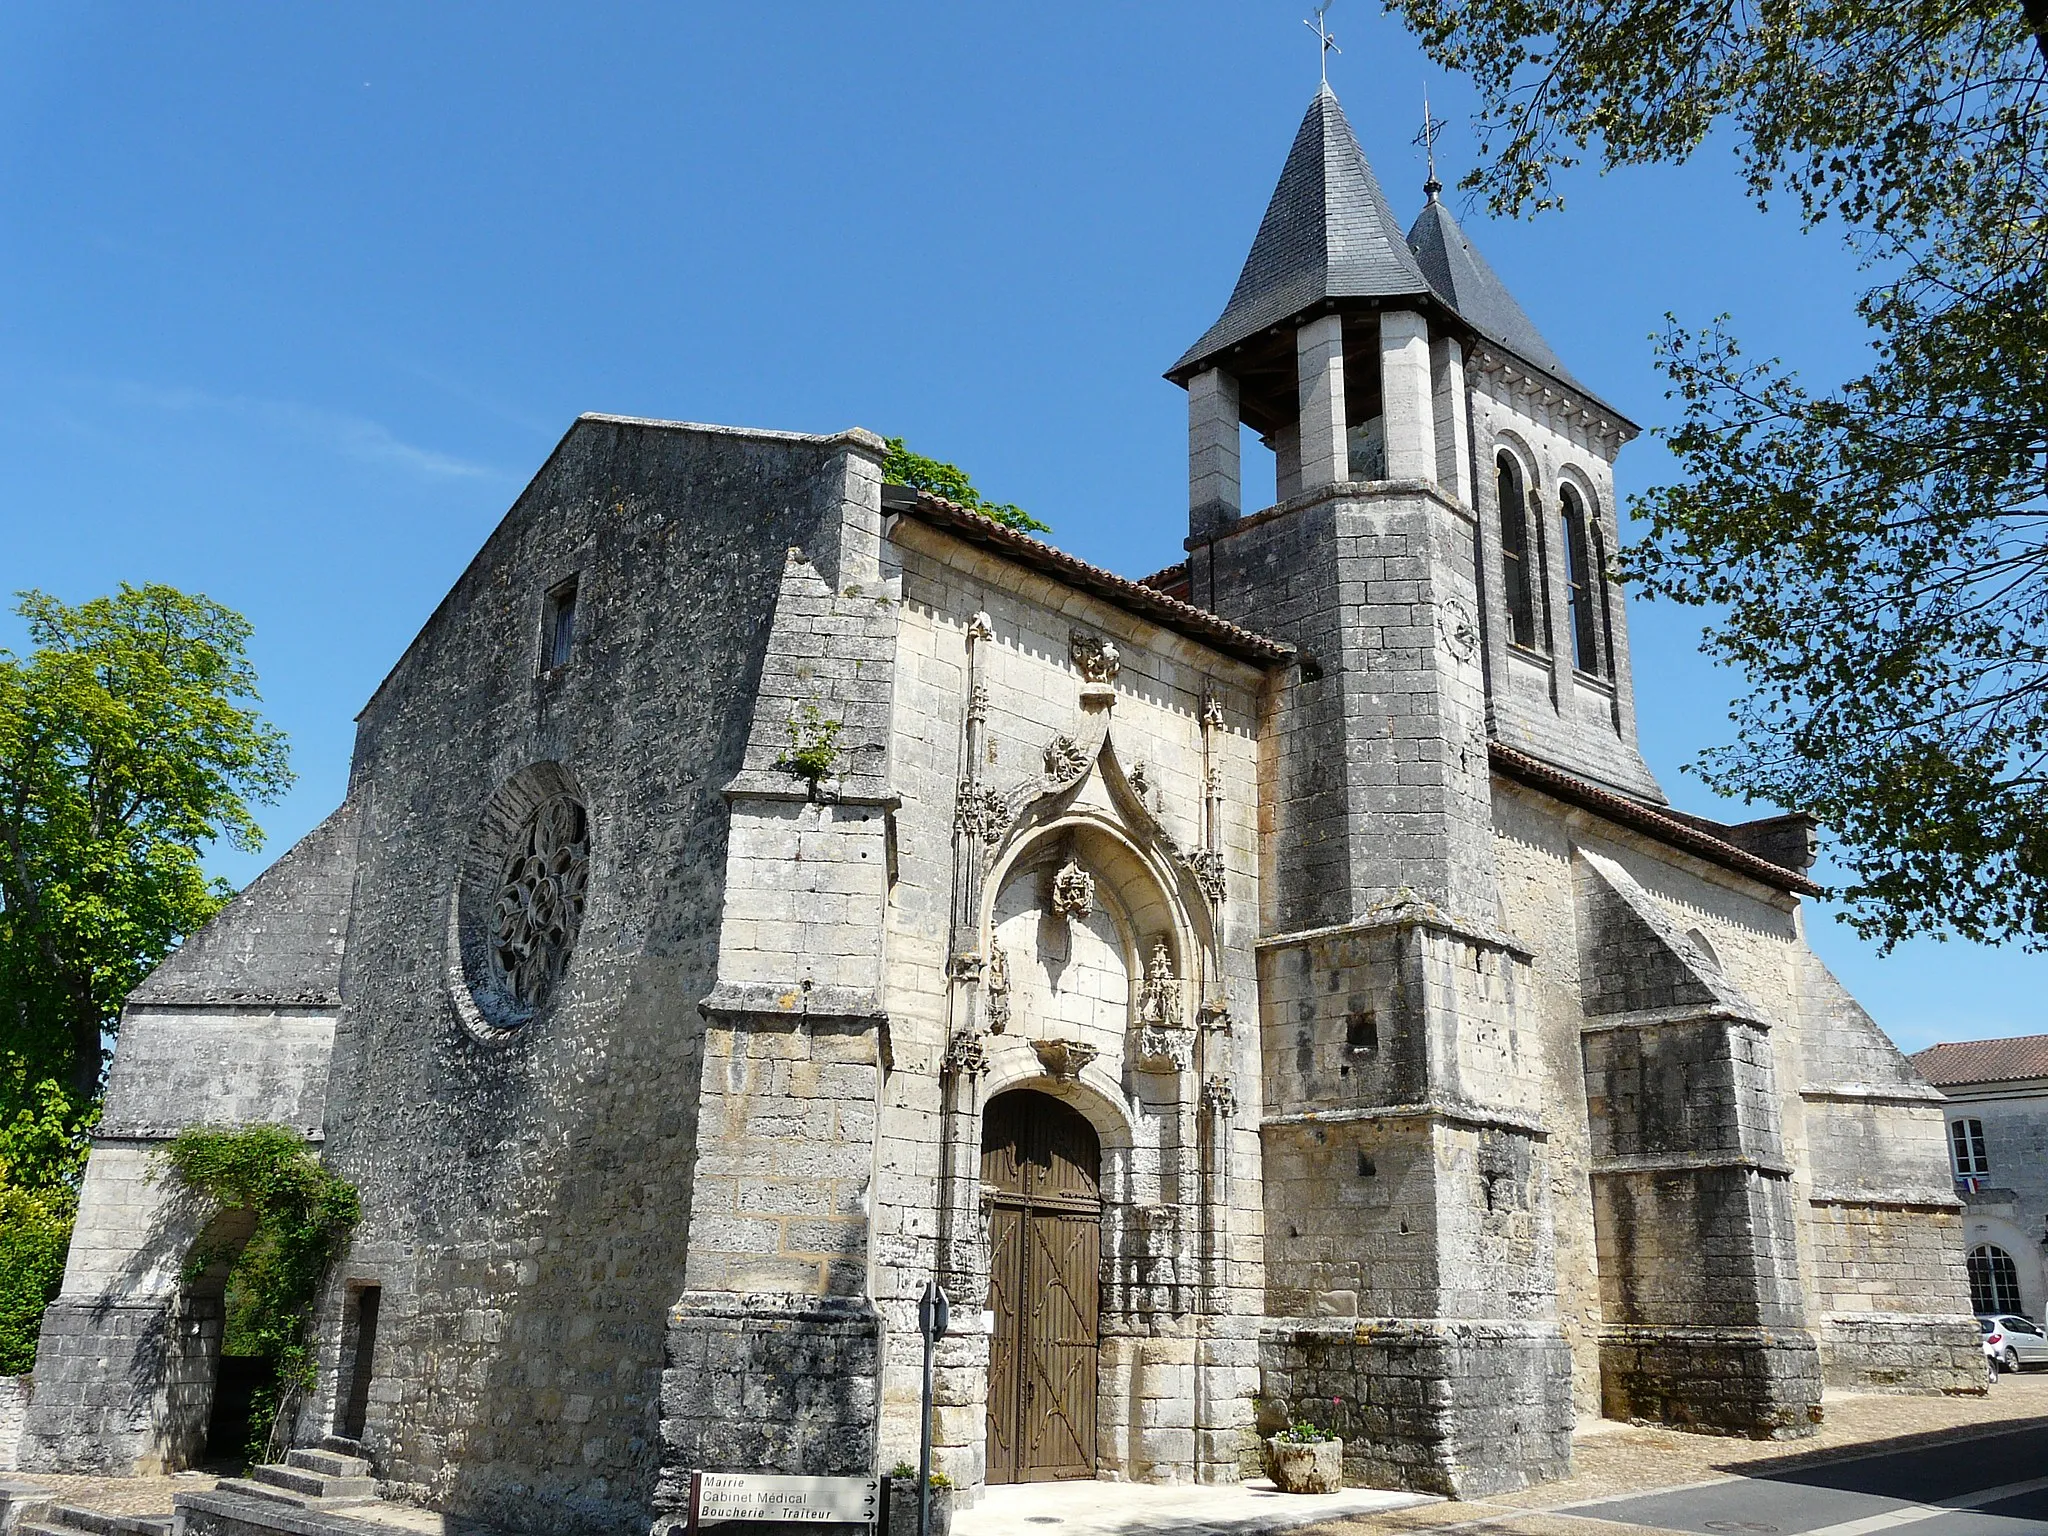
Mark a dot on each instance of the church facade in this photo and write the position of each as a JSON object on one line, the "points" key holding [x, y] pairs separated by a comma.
{"points": [[1274, 989]]}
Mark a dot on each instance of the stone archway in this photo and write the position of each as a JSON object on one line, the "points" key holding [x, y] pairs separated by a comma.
{"points": [[1041, 1167]]}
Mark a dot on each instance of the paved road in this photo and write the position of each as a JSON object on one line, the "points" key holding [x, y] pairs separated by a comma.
{"points": [[1993, 1486]]}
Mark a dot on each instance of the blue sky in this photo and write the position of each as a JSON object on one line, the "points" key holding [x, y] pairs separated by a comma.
{"points": [[293, 299]]}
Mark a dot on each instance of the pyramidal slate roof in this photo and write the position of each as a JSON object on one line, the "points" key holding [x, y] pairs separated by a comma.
{"points": [[1328, 233], [1461, 277]]}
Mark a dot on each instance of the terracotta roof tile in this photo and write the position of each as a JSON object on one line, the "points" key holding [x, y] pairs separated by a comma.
{"points": [[1983, 1061]]}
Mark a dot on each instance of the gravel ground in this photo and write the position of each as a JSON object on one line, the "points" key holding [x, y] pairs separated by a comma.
{"points": [[1610, 1458]]}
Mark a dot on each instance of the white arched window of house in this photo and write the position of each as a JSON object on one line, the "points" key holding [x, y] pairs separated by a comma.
{"points": [[1994, 1280]]}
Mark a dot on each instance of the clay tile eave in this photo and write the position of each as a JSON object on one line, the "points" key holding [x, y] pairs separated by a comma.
{"points": [[1646, 819], [1133, 597]]}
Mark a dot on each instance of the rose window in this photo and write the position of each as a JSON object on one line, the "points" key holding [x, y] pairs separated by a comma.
{"points": [[539, 904]]}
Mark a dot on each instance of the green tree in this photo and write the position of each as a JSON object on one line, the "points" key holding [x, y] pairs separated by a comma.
{"points": [[902, 467], [126, 745], [1878, 552], [42, 1152]]}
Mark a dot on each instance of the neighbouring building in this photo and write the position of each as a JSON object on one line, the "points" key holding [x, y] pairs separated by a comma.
{"points": [[1997, 1111], [1277, 987]]}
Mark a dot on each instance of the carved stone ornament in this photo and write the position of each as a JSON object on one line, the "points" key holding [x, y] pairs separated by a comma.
{"points": [[1460, 630], [1215, 1017], [981, 627], [1065, 760], [1206, 865], [1159, 993], [1165, 1047], [1064, 1059], [980, 813], [1073, 892], [967, 1056], [1140, 778], [968, 967], [1218, 1097], [1095, 658], [539, 905], [1212, 710], [995, 989]]}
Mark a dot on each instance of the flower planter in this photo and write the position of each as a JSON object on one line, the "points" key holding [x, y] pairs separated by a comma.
{"points": [[1306, 1466], [903, 1508]]}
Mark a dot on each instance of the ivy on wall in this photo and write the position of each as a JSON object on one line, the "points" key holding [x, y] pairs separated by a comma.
{"points": [[303, 1214]]}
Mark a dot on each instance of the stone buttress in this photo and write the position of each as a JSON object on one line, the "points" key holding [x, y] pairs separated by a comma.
{"points": [[1703, 1319], [774, 1353]]}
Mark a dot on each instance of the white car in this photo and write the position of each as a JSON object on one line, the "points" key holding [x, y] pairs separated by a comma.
{"points": [[2012, 1341]]}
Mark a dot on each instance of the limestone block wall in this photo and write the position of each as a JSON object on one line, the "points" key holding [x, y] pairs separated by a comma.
{"points": [[14, 1398], [527, 1191], [1864, 1221], [1181, 1273]]}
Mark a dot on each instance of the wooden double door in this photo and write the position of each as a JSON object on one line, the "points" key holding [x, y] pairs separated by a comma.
{"points": [[1042, 1159]]}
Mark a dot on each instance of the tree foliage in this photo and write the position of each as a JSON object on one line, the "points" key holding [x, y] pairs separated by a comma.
{"points": [[1879, 550], [126, 745], [303, 1215], [902, 467]]}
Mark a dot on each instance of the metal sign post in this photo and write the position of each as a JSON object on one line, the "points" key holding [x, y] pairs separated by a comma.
{"points": [[934, 1312]]}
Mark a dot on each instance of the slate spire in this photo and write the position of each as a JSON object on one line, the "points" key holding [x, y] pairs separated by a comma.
{"points": [[1327, 234], [1464, 281]]}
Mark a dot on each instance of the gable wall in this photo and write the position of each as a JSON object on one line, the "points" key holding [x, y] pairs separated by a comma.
{"points": [[526, 1195]]}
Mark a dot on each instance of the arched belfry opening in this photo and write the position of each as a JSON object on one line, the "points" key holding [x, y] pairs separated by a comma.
{"points": [[1041, 1173]]}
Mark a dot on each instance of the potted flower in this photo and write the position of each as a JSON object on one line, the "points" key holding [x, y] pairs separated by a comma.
{"points": [[1304, 1458], [903, 1502]]}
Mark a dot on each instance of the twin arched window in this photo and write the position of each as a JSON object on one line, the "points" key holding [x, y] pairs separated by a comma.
{"points": [[1518, 571], [1521, 562], [1579, 568]]}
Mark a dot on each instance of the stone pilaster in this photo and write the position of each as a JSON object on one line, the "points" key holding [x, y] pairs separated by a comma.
{"points": [[1319, 356], [1407, 401], [1215, 495], [1453, 419]]}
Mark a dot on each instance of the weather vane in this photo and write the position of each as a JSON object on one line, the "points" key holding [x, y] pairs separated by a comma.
{"points": [[1431, 127], [1323, 32]]}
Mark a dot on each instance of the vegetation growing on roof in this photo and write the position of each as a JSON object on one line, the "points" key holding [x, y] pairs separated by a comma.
{"points": [[902, 467]]}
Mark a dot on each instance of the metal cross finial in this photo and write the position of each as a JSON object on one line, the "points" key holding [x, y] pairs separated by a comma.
{"points": [[1323, 32], [1431, 127]]}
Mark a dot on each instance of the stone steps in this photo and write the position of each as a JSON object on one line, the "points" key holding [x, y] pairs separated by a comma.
{"points": [[327, 1463], [71, 1520]]}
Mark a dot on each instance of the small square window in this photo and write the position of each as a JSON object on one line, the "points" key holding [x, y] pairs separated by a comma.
{"points": [[558, 629]]}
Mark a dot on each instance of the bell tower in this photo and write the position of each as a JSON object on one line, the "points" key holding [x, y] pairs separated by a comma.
{"points": [[1410, 1267], [1327, 347]]}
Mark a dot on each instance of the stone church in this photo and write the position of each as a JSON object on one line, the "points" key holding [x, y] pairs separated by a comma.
{"points": [[1273, 988]]}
